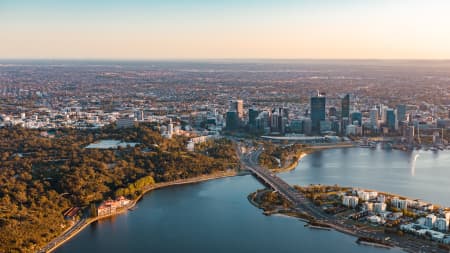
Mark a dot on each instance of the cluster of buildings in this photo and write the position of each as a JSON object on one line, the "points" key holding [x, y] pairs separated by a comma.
{"points": [[391, 210], [110, 207], [432, 226], [340, 117]]}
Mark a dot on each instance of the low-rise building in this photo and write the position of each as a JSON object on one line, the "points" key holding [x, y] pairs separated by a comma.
{"points": [[374, 219], [110, 206], [125, 122]]}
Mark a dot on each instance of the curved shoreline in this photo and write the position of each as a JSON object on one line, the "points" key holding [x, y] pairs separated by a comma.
{"points": [[293, 165], [310, 150], [134, 202]]}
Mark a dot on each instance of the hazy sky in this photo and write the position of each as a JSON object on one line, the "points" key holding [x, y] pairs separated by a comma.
{"points": [[194, 29]]}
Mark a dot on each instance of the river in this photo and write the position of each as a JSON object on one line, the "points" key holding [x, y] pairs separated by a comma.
{"points": [[215, 216]]}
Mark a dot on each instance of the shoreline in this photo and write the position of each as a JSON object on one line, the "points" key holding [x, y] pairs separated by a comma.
{"points": [[194, 180], [293, 165], [331, 226], [133, 203], [310, 150]]}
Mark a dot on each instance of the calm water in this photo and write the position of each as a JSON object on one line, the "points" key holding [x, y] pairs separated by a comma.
{"points": [[215, 216], [427, 178]]}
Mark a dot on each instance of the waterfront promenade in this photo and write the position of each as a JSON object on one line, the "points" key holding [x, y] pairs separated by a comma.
{"points": [[84, 222]]}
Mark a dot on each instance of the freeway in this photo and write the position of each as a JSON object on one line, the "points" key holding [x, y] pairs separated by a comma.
{"points": [[302, 204]]}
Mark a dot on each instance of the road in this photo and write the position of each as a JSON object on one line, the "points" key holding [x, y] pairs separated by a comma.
{"points": [[302, 204], [60, 239]]}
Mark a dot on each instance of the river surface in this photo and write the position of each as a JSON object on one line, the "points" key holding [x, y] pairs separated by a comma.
{"points": [[419, 174], [215, 216]]}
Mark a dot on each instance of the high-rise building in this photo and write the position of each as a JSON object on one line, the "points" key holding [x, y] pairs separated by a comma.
{"points": [[409, 135], [238, 107], [263, 122], [232, 121], [345, 106], [383, 113], [296, 126], [374, 117], [317, 112], [441, 224], [401, 112], [274, 121], [391, 119], [252, 115], [356, 116], [307, 126], [430, 220]]}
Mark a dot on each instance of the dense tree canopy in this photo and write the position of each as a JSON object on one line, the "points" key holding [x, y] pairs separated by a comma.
{"points": [[41, 177]]}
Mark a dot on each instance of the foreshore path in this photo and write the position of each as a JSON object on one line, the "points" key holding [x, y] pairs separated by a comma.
{"points": [[84, 222]]}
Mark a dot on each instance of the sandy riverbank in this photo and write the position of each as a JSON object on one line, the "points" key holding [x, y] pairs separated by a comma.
{"points": [[68, 234], [310, 150], [293, 165]]}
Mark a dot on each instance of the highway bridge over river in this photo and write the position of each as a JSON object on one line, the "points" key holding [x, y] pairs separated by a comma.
{"points": [[300, 202]]}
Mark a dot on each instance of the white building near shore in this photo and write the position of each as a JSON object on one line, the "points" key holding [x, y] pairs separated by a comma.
{"points": [[442, 224], [350, 201]]}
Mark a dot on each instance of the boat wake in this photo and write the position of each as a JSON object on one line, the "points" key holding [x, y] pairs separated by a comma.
{"points": [[413, 165]]}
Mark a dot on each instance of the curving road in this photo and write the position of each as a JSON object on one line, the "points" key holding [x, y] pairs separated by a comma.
{"points": [[300, 202]]}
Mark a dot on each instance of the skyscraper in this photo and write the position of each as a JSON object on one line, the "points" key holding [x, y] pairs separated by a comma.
{"points": [[391, 119], [317, 112], [374, 117], [238, 107], [252, 115], [345, 106], [401, 112], [356, 116], [232, 121]]}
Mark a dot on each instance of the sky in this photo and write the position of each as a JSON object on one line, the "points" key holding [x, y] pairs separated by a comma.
{"points": [[224, 29]]}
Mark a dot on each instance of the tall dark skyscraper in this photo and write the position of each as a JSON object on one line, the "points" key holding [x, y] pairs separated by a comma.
{"points": [[232, 121], [317, 112], [391, 119], [252, 115], [345, 109]]}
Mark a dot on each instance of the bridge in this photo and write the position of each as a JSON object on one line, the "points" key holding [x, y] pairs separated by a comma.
{"points": [[299, 201]]}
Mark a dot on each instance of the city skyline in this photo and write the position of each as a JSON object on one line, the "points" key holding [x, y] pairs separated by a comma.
{"points": [[247, 29]]}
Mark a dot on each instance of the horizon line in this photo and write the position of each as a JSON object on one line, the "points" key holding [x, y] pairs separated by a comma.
{"points": [[223, 59]]}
